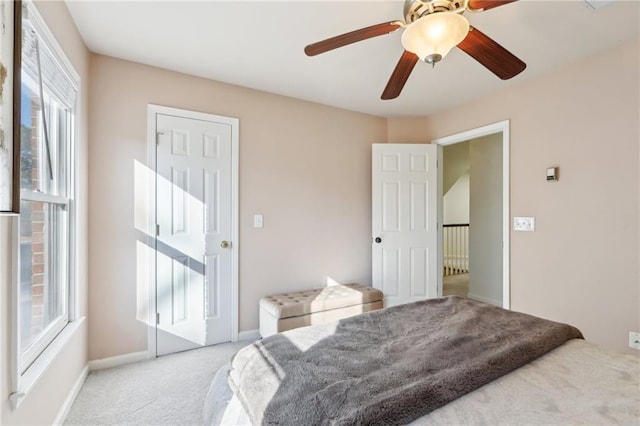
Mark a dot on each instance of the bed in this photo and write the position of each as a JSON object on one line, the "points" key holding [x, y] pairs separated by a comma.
{"points": [[440, 361]]}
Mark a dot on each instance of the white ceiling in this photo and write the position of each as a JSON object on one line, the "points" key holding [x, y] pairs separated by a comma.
{"points": [[259, 44]]}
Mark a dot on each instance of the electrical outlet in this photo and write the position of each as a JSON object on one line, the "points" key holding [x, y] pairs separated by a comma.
{"points": [[634, 340], [524, 224]]}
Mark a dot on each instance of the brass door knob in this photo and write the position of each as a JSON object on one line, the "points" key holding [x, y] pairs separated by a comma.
{"points": [[225, 244]]}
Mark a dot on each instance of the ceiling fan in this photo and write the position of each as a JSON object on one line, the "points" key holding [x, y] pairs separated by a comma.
{"points": [[431, 29]]}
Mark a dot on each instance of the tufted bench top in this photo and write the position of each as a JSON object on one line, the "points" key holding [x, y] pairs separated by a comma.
{"points": [[321, 299]]}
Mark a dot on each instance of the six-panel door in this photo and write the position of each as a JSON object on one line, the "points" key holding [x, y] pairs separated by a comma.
{"points": [[404, 221], [194, 220]]}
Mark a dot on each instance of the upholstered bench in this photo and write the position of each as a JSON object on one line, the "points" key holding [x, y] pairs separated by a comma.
{"points": [[282, 312]]}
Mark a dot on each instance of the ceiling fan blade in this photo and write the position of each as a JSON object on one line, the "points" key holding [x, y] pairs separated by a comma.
{"points": [[494, 57], [351, 37], [487, 4], [400, 75]]}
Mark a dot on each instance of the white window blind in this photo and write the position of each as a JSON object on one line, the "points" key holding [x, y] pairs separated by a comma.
{"points": [[53, 74]]}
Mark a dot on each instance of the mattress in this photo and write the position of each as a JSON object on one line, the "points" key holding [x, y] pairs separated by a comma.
{"points": [[577, 383]]}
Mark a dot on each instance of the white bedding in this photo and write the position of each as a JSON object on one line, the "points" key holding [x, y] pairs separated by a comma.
{"points": [[577, 383]]}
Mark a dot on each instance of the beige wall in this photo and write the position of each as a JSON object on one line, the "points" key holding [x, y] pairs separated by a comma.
{"points": [[455, 183], [456, 162], [43, 403], [455, 203], [305, 167], [581, 264], [408, 130], [485, 219]]}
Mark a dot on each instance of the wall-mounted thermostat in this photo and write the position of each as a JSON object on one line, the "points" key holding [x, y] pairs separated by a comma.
{"points": [[552, 174]]}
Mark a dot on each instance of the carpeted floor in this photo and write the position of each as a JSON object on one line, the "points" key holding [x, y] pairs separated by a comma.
{"points": [[169, 390], [455, 285]]}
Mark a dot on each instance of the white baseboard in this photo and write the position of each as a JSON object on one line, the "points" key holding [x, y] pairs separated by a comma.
{"points": [[249, 335], [115, 361], [68, 402], [484, 299]]}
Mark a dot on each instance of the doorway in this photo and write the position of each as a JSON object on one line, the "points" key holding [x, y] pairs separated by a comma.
{"points": [[195, 159], [473, 209]]}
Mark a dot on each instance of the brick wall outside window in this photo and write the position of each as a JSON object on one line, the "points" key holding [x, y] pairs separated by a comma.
{"points": [[38, 231]]}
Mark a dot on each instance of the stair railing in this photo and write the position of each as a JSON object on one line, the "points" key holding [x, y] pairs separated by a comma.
{"points": [[456, 249]]}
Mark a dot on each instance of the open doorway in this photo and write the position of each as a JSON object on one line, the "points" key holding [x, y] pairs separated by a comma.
{"points": [[474, 200], [456, 203]]}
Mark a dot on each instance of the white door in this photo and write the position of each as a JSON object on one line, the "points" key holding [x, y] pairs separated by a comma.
{"points": [[404, 222], [194, 217]]}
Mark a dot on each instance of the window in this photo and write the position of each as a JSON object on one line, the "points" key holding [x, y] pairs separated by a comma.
{"points": [[48, 98]]}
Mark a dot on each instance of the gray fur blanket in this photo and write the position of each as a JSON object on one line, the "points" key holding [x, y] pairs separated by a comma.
{"points": [[389, 366]]}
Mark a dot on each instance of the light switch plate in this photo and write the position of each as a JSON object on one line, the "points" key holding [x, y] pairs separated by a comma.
{"points": [[634, 340], [524, 224], [257, 221]]}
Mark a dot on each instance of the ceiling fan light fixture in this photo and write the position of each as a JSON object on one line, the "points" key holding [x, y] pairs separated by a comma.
{"points": [[432, 36]]}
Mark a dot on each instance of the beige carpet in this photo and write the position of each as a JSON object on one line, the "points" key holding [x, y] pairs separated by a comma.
{"points": [[169, 390], [457, 285]]}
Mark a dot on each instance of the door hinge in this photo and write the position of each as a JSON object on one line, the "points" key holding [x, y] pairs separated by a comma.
{"points": [[158, 137], [157, 317], [157, 229]]}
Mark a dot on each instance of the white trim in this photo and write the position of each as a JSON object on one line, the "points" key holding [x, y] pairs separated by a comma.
{"points": [[252, 335], [506, 215], [42, 197], [489, 129], [235, 225], [152, 335], [440, 216], [71, 397], [118, 360], [48, 334], [499, 127], [23, 384], [75, 230], [15, 315], [484, 299], [152, 111]]}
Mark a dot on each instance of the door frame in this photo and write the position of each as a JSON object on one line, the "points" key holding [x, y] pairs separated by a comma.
{"points": [[490, 129], [152, 111]]}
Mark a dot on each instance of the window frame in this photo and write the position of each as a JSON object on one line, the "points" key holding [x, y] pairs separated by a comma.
{"points": [[28, 367]]}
